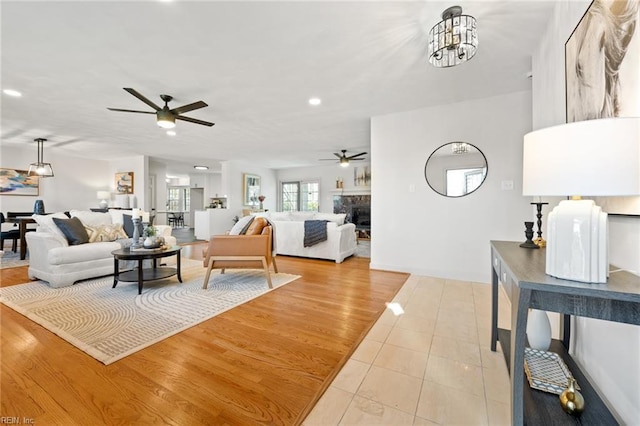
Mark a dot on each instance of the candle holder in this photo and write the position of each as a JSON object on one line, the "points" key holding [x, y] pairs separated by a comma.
{"points": [[529, 234], [137, 224], [540, 242]]}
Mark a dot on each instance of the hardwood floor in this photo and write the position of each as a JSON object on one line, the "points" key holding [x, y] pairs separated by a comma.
{"points": [[265, 362]]}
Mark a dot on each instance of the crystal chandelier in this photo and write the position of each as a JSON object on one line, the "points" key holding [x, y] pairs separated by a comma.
{"points": [[459, 147], [453, 40]]}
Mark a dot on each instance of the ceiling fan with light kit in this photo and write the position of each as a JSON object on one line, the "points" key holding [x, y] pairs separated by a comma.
{"points": [[166, 118], [344, 159]]}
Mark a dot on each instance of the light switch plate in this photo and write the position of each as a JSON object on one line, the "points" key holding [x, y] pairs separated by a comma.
{"points": [[507, 185]]}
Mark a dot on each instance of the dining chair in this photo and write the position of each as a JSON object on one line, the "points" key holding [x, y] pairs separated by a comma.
{"points": [[12, 234], [172, 219]]}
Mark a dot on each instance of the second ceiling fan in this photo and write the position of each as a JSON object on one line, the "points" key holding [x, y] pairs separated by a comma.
{"points": [[166, 118], [344, 159]]}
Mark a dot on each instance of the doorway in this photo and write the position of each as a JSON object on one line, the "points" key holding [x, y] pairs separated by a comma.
{"points": [[197, 203]]}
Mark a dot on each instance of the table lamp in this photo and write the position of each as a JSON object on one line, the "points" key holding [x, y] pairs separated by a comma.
{"points": [[586, 158], [103, 196]]}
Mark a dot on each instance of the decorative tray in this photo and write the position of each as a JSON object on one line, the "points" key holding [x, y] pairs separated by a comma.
{"points": [[546, 371], [148, 250]]}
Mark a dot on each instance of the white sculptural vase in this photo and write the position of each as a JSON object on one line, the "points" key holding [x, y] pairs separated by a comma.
{"points": [[538, 330]]}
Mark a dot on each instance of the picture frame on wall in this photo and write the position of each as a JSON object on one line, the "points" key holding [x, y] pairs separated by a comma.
{"points": [[18, 182], [362, 176], [250, 189], [602, 64], [124, 183]]}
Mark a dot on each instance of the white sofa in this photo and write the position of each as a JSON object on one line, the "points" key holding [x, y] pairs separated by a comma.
{"points": [[289, 235], [52, 259]]}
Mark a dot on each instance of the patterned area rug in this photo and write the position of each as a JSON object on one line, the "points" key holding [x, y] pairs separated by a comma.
{"points": [[111, 323], [10, 259]]}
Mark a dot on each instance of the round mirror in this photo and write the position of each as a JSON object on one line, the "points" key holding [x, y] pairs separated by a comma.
{"points": [[456, 169]]}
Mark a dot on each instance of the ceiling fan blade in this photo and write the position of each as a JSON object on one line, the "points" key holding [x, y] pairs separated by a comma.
{"points": [[190, 107], [130, 110], [352, 157], [142, 98], [326, 159], [337, 155], [194, 120], [356, 159]]}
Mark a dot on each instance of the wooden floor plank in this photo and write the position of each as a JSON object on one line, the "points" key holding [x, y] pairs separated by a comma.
{"points": [[266, 361]]}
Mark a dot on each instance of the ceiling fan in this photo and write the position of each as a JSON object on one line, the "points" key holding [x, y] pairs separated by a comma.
{"points": [[343, 159], [166, 117]]}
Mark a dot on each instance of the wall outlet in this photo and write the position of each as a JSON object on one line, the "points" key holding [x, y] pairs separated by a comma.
{"points": [[507, 185], [412, 188]]}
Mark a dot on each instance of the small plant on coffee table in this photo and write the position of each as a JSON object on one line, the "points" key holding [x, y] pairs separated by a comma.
{"points": [[149, 231]]}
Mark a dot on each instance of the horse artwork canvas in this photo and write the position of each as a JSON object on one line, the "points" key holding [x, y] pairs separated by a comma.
{"points": [[602, 65]]}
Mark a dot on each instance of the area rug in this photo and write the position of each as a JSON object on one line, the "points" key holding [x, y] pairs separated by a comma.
{"points": [[111, 323], [10, 259]]}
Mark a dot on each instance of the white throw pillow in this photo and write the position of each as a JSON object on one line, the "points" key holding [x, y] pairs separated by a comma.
{"points": [[46, 224], [301, 216], [338, 218], [92, 219], [280, 216], [116, 215], [240, 224]]}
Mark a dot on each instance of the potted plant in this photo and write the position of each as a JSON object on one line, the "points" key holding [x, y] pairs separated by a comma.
{"points": [[150, 240]]}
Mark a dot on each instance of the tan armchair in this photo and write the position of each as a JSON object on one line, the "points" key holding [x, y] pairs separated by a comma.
{"points": [[241, 251]]}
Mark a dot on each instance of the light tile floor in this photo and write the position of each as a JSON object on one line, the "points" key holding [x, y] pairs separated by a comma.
{"points": [[431, 365]]}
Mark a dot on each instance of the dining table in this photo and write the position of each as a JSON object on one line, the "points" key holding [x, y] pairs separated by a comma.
{"points": [[22, 222]]}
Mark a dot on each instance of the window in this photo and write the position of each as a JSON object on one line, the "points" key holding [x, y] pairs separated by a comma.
{"points": [[290, 196], [300, 196], [463, 181], [178, 199], [309, 196]]}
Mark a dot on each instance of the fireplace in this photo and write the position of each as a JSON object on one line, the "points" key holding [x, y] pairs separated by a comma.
{"points": [[361, 217], [358, 211]]}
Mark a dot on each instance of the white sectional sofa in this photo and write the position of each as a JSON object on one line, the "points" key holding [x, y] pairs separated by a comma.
{"points": [[52, 259], [289, 235]]}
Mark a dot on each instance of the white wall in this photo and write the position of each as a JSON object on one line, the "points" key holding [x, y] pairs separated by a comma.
{"points": [[139, 165], [214, 186], [76, 180], [416, 230], [74, 185], [327, 175], [608, 352], [232, 183]]}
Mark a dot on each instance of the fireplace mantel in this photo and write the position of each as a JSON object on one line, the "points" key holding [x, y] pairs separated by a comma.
{"points": [[364, 191]]}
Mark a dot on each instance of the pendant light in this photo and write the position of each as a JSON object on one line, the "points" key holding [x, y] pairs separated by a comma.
{"points": [[40, 168]]}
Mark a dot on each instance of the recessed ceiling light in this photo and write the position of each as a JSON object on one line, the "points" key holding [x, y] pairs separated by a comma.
{"points": [[201, 167], [315, 101], [12, 92], [171, 132]]}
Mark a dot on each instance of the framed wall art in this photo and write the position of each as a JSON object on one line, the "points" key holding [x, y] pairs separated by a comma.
{"points": [[602, 64], [124, 183], [250, 189], [17, 182], [362, 176]]}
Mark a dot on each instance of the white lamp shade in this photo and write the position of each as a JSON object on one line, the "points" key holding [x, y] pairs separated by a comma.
{"points": [[594, 157], [103, 195]]}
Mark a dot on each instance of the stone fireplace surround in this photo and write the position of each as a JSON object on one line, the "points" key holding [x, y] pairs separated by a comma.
{"points": [[358, 211]]}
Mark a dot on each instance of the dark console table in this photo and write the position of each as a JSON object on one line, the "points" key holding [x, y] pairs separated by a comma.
{"points": [[522, 273]]}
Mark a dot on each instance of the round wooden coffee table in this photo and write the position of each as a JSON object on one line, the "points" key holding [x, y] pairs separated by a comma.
{"points": [[141, 274]]}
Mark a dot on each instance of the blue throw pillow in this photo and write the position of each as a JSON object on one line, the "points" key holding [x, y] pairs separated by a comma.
{"points": [[127, 224], [73, 230]]}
